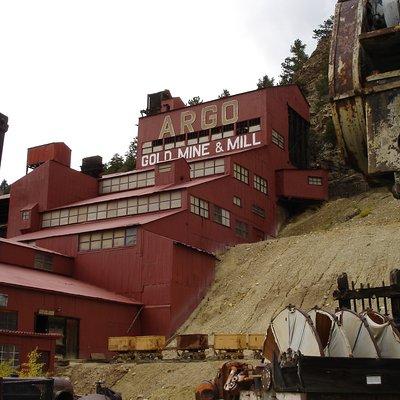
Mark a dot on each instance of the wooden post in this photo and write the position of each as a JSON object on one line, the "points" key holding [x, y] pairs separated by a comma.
{"points": [[343, 287], [395, 282]]}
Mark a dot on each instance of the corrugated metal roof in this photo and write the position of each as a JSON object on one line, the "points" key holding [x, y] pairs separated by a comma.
{"points": [[11, 275], [30, 334], [96, 225], [139, 192], [15, 243], [135, 171]]}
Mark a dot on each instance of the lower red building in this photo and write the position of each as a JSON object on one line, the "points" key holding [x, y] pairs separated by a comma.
{"points": [[134, 253]]}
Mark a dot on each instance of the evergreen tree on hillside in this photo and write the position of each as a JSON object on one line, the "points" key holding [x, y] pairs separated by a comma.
{"points": [[114, 165], [294, 63], [4, 187], [225, 93], [194, 101], [265, 82], [130, 156], [324, 30]]}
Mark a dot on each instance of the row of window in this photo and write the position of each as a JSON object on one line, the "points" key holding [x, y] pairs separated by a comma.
{"points": [[242, 174], [206, 168], [43, 261], [108, 239], [191, 138], [202, 208], [278, 139], [112, 209], [127, 182]]}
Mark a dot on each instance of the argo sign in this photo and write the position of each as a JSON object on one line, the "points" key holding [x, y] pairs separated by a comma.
{"points": [[227, 113]]}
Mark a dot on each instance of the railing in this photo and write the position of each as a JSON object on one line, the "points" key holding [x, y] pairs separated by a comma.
{"points": [[384, 299]]}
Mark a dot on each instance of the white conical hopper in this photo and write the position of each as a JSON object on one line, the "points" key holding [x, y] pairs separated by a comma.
{"points": [[359, 336], [292, 329], [331, 334], [386, 335]]}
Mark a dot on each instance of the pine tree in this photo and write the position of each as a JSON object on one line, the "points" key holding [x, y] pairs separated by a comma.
{"points": [[130, 156], [194, 101], [324, 30], [294, 63], [4, 187], [114, 165], [225, 93], [265, 82]]}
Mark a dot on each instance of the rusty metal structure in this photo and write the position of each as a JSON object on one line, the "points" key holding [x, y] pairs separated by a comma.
{"points": [[384, 299], [364, 76], [306, 355], [3, 130]]}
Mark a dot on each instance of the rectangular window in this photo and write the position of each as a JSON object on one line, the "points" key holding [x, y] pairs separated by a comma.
{"points": [[169, 142], [157, 145], [25, 215], [260, 184], [241, 229], [165, 167], [251, 125], [127, 182], [108, 239], [278, 139], [9, 320], [113, 209], [9, 353], [43, 261], [199, 207], [237, 201], [206, 168], [147, 148], [222, 216], [180, 140], [258, 211], [315, 180], [241, 173]]}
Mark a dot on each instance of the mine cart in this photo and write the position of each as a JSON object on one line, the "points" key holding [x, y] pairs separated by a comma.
{"points": [[255, 342], [192, 347], [229, 346], [137, 347]]}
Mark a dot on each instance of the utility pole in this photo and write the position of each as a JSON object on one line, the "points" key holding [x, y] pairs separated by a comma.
{"points": [[3, 130]]}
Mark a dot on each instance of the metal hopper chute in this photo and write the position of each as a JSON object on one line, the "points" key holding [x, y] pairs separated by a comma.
{"points": [[359, 336], [292, 331], [386, 335], [332, 336]]}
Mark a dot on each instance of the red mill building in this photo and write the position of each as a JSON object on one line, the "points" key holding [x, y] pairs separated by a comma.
{"points": [[132, 253]]}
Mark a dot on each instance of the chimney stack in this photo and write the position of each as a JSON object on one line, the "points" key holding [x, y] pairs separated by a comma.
{"points": [[3, 130]]}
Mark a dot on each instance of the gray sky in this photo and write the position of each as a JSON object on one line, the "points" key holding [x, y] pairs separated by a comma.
{"points": [[78, 71]]}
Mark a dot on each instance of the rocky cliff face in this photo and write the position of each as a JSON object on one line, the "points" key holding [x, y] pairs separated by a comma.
{"points": [[324, 151]]}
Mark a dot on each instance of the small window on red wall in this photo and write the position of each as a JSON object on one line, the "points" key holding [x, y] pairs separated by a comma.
{"points": [[9, 320], [315, 180], [25, 215]]}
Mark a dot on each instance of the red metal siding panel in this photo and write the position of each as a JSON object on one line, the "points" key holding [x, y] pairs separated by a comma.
{"points": [[98, 320], [193, 274]]}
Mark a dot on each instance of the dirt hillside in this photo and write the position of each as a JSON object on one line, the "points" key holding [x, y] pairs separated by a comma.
{"points": [[359, 235]]}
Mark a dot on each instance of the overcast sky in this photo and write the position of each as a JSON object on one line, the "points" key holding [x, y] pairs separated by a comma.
{"points": [[78, 71]]}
